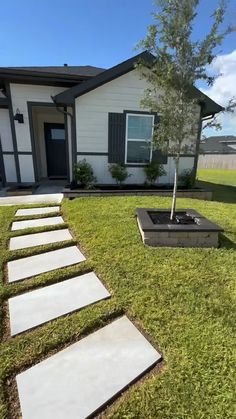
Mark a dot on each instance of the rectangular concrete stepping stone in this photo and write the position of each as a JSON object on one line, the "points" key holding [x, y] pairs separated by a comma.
{"points": [[36, 307], [38, 239], [77, 381], [36, 211], [47, 198], [38, 222], [45, 262]]}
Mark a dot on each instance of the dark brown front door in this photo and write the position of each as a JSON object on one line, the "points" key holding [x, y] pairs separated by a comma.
{"points": [[55, 149]]}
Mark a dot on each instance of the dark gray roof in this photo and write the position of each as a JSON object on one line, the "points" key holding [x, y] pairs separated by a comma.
{"points": [[83, 79], [67, 97], [209, 106], [222, 144], [86, 70]]}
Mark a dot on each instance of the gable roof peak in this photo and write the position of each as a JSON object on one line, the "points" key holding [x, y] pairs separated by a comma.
{"points": [[67, 97], [209, 107]]}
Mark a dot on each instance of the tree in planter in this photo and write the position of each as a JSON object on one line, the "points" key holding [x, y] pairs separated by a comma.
{"points": [[178, 63], [118, 172], [83, 174], [153, 171]]}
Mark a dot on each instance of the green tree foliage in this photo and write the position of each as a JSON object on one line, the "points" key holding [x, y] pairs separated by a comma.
{"points": [[179, 62]]}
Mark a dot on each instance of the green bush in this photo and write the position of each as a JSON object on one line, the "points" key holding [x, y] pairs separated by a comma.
{"points": [[186, 178], [83, 173], [118, 172], [153, 171]]}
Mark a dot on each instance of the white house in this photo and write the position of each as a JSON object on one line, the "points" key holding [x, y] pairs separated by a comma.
{"points": [[52, 117]]}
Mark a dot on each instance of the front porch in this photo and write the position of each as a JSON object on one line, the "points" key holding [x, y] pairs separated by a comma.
{"points": [[35, 148], [47, 192], [48, 129]]}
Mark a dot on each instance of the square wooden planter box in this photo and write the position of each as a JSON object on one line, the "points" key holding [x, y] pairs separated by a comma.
{"points": [[203, 233]]}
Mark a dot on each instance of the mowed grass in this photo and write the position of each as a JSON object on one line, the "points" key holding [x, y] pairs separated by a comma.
{"points": [[183, 299], [221, 177], [221, 182]]}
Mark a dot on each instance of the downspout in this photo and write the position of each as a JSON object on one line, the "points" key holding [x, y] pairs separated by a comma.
{"points": [[197, 149], [60, 110], [13, 133]]}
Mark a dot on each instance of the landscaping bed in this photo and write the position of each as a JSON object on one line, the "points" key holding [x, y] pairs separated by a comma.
{"points": [[139, 190]]}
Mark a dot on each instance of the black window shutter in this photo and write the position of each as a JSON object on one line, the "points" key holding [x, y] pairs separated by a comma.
{"points": [[116, 138], [158, 155]]}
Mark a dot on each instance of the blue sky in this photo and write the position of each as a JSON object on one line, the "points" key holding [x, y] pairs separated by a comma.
{"points": [[79, 32]]}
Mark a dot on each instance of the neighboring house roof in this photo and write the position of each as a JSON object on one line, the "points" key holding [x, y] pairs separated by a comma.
{"points": [[67, 97], [222, 144]]}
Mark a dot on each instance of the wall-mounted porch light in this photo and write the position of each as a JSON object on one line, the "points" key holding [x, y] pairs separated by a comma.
{"points": [[19, 116]]}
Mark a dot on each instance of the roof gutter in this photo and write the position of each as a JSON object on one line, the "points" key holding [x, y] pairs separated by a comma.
{"points": [[60, 110], [206, 118]]}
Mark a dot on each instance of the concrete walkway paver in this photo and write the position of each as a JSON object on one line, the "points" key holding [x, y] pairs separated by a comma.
{"points": [[36, 211], [44, 262], [39, 239], [80, 379], [38, 222], [54, 198], [36, 307]]}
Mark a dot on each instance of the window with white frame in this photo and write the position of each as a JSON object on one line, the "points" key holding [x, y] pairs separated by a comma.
{"points": [[139, 132]]}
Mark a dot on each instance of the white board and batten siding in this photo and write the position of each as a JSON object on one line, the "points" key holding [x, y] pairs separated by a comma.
{"points": [[21, 94], [7, 146], [92, 109]]}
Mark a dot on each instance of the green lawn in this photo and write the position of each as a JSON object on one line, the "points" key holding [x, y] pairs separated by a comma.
{"points": [[183, 299], [221, 182], [221, 177]]}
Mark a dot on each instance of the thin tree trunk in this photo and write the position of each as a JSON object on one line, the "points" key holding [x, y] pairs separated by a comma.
{"points": [[173, 206]]}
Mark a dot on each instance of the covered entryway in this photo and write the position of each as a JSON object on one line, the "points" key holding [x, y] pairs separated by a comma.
{"points": [[55, 141], [51, 154]]}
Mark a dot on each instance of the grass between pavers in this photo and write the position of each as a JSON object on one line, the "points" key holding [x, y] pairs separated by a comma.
{"points": [[37, 216], [183, 298]]}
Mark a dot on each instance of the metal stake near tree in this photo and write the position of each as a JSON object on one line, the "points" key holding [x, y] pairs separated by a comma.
{"points": [[177, 62]]}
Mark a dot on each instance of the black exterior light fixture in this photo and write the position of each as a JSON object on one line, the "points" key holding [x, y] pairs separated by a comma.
{"points": [[19, 116]]}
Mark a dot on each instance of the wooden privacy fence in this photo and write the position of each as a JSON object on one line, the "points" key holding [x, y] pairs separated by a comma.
{"points": [[217, 161]]}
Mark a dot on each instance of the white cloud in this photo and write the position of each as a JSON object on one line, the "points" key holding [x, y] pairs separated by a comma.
{"points": [[223, 90]]}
